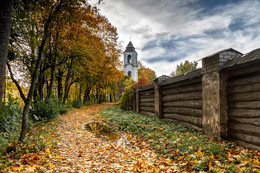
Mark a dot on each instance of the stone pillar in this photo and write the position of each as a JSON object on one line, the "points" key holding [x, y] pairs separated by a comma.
{"points": [[137, 102], [223, 105], [157, 99], [214, 98]]}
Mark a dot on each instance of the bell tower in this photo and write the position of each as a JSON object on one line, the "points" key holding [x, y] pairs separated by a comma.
{"points": [[130, 62]]}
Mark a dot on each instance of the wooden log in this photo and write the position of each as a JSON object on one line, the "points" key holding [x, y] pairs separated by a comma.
{"points": [[183, 89], [184, 104], [147, 87], [245, 137], [191, 126], [147, 109], [188, 119], [183, 111], [147, 92], [245, 105], [147, 113], [244, 113], [245, 80], [149, 104], [244, 88], [245, 128], [183, 97], [147, 100], [146, 96], [173, 81], [247, 145], [250, 121], [252, 96], [246, 68]]}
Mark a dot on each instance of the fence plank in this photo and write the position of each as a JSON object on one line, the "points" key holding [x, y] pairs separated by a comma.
{"points": [[245, 128], [246, 113], [183, 97], [147, 113], [245, 105], [247, 145], [147, 109], [149, 104], [183, 89], [183, 111], [245, 137], [191, 126], [250, 121], [188, 119], [147, 100], [245, 80], [244, 88], [252, 96], [184, 104]]}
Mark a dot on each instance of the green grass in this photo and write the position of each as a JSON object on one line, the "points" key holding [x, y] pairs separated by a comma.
{"points": [[40, 138], [184, 145]]}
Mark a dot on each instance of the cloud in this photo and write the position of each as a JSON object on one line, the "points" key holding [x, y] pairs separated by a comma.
{"points": [[166, 32]]}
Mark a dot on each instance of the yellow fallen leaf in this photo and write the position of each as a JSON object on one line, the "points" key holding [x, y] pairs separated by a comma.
{"points": [[58, 157], [217, 163], [168, 160]]}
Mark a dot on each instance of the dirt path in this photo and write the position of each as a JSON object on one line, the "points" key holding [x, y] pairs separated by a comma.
{"points": [[81, 151]]}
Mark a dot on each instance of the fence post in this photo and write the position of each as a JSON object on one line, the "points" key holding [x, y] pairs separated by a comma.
{"points": [[157, 99], [214, 98], [137, 102]]}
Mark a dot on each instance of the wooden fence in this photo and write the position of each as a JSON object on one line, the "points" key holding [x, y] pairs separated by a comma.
{"points": [[221, 99]]}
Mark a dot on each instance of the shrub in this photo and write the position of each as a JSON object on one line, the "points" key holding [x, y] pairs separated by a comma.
{"points": [[126, 101], [77, 103], [10, 117], [41, 110], [62, 108]]}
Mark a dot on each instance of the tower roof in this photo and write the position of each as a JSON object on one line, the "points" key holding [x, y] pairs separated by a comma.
{"points": [[130, 47]]}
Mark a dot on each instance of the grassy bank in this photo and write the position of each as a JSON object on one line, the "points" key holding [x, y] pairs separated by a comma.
{"points": [[34, 152], [184, 147]]}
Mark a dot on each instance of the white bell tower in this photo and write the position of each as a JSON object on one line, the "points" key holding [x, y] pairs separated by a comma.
{"points": [[130, 62]]}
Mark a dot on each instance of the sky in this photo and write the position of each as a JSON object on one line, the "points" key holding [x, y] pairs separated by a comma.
{"points": [[168, 32]]}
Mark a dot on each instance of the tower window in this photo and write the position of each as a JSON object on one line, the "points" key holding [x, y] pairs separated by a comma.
{"points": [[129, 73], [129, 59]]}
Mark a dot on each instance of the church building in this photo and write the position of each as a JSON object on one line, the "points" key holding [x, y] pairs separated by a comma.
{"points": [[130, 62]]}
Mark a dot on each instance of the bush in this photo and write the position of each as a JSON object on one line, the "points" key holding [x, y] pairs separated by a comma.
{"points": [[126, 101], [41, 110], [10, 120], [76, 103], [10, 117], [62, 108]]}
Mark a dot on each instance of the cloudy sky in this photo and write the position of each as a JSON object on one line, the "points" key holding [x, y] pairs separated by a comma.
{"points": [[167, 32]]}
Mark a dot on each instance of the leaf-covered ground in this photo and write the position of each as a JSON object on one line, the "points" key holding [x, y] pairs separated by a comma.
{"points": [[139, 144], [188, 150]]}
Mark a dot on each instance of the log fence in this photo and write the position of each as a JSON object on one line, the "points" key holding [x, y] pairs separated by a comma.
{"points": [[220, 99]]}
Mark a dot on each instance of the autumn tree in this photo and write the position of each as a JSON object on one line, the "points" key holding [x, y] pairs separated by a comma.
{"points": [[63, 48], [146, 73], [6, 7], [184, 68], [45, 25]]}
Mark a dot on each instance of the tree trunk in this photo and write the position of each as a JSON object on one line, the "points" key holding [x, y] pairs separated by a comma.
{"points": [[80, 92], [86, 95], [67, 81], [53, 68], [59, 79], [6, 7]]}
